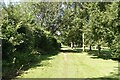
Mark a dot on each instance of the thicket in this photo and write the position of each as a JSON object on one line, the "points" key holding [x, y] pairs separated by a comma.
{"points": [[23, 40]]}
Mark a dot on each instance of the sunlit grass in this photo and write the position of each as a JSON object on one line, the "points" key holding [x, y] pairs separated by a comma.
{"points": [[77, 65]]}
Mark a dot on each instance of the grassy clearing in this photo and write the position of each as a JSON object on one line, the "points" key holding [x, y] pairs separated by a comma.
{"points": [[76, 65]]}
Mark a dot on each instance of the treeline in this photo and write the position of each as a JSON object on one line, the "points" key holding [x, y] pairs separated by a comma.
{"points": [[23, 38], [91, 24], [32, 28]]}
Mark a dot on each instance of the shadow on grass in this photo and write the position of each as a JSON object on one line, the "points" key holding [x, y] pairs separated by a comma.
{"points": [[43, 58], [48, 57], [100, 78], [104, 54], [13, 72], [72, 51]]}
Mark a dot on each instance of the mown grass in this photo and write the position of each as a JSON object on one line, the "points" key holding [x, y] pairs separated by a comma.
{"points": [[11, 70], [77, 65]]}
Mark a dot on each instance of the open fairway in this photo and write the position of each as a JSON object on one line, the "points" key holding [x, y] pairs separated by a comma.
{"points": [[69, 64]]}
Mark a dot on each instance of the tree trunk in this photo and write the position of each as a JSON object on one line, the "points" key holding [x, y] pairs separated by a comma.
{"points": [[99, 49], [71, 44], [90, 47], [83, 42]]}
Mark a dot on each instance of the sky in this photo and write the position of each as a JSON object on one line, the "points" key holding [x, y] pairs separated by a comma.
{"points": [[8, 1]]}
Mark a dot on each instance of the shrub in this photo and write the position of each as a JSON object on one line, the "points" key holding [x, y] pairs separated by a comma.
{"points": [[115, 48], [20, 37]]}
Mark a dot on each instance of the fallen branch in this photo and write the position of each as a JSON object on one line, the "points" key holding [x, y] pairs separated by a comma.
{"points": [[19, 69]]}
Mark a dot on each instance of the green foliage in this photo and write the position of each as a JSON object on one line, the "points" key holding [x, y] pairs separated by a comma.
{"points": [[43, 43], [99, 22], [31, 27], [115, 47], [17, 35], [23, 38]]}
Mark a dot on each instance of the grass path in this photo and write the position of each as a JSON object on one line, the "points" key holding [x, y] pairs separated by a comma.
{"points": [[72, 65]]}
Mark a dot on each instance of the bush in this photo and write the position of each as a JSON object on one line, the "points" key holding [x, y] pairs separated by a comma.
{"points": [[115, 48], [44, 43], [20, 37], [48, 45], [7, 49]]}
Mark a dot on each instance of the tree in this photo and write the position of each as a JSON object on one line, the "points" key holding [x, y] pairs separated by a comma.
{"points": [[23, 37], [112, 28]]}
